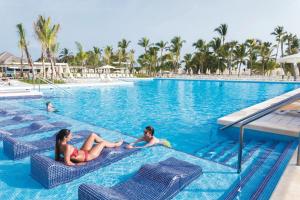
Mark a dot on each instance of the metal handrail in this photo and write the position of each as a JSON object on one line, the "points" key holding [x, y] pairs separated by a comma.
{"points": [[259, 114], [52, 84]]}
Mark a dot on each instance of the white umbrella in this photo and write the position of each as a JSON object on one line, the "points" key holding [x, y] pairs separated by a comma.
{"points": [[294, 59]]}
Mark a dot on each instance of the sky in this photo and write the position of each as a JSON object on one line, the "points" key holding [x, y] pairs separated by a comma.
{"points": [[105, 22]]}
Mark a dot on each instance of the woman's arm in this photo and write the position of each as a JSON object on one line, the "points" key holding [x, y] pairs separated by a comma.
{"points": [[67, 156]]}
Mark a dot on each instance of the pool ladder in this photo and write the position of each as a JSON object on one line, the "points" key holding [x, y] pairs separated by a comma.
{"points": [[53, 85], [257, 115]]}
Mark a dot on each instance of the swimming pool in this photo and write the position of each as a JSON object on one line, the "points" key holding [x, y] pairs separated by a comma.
{"points": [[184, 112]]}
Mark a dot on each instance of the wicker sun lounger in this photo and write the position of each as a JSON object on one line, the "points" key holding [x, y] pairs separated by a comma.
{"points": [[16, 149], [158, 181], [51, 173], [22, 118], [36, 127], [5, 113]]}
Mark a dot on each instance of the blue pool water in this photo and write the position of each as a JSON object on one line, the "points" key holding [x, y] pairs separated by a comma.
{"points": [[184, 112]]}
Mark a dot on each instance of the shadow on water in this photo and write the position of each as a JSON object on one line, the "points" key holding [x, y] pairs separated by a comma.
{"points": [[18, 176], [2, 155]]}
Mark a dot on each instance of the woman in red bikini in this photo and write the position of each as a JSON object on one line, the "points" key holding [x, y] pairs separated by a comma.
{"points": [[90, 149]]}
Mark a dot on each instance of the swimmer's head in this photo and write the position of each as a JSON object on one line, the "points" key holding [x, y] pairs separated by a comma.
{"points": [[149, 130], [48, 103]]}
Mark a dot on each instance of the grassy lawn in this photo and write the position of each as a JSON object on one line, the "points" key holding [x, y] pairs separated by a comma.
{"points": [[142, 76], [37, 81]]}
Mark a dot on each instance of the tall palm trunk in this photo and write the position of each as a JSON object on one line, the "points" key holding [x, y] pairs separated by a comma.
{"points": [[239, 66], [52, 64], [22, 66], [43, 64], [161, 58], [29, 61]]}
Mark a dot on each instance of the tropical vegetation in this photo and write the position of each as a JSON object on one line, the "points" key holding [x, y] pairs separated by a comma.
{"points": [[209, 57]]}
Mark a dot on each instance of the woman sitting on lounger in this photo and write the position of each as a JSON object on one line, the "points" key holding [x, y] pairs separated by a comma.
{"points": [[90, 149]]}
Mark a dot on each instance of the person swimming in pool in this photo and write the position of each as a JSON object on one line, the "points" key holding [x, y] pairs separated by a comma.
{"points": [[149, 138], [91, 148], [50, 107]]}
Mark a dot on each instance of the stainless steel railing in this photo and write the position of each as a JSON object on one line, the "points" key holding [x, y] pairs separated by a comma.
{"points": [[52, 84], [259, 114]]}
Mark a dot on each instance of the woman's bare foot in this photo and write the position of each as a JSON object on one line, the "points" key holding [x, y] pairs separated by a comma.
{"points": [[117, 144]]}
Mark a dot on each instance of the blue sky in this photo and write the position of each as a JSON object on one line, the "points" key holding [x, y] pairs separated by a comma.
{"points": [[105, 22]]}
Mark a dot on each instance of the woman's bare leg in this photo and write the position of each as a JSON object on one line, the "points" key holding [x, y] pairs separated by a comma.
{"points": [[112, 144], [89, 142], [97, 149]]}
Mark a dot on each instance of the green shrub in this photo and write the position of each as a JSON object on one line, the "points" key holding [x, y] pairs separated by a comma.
{"points": [[38, 81]]}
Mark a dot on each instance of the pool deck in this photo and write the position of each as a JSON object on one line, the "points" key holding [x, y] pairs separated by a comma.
{"points": [[288, 186], [19, 89], [285, 121]]}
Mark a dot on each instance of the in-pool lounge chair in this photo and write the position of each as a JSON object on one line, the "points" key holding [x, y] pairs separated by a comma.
{"points": [[6, 113], [51, 173], [16, 149], [36, 127], [22, 118], [158, 181]]}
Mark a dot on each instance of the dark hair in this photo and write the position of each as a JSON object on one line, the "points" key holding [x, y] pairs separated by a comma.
{"points": [[150, 129], [58, 138], [47, 103]]}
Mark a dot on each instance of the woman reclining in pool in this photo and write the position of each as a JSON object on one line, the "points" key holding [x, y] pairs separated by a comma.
{"points": [[90, 149]]}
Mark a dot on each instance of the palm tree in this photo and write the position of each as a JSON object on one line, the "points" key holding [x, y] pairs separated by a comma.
{"points": [[240, 55], [280, 37], [222, 31], [65, 55], [47, 35], [97, 55], [215, 44], [22, 39], [201, 55], [252, 46], [145, 43], [107, 55], [162, 46], [279, 34], [292, 43], [176, 45], [152, 53], [265, 51], [131, 59], [41, 34], [81, 54], [21, 45], [187, 59], [123, 44]]}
